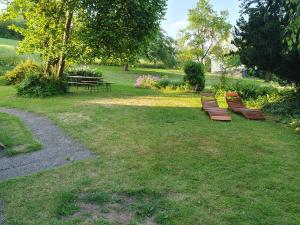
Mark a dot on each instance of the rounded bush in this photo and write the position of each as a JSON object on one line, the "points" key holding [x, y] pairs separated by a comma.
{"points": [[38, 85], [195, 75], [16, 75]]}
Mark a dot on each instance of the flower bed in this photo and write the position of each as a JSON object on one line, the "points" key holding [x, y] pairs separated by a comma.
{"points": [[147, 81]]}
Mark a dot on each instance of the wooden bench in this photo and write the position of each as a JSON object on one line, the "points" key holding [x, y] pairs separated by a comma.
{"points": [[92, 83]]}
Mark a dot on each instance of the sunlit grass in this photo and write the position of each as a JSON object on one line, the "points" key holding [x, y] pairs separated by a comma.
{"points": [[148, 102], [163, 144]]}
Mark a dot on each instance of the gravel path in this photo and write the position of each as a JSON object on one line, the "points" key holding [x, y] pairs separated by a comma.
{"points": [[58, 148]]}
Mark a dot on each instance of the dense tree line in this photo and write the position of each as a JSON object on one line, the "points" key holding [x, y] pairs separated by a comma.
{"points": [[76, 30], [267, 36], [6, 32]]}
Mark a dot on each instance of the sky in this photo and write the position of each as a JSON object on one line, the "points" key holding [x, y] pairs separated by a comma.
{"points": [[176, 17]]}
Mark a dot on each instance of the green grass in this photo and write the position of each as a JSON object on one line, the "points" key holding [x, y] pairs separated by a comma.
{"points": [[8, 47], [9, 57], [16, 137], [190, 170]]}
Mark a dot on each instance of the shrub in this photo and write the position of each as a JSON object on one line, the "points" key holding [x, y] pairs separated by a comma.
{"points": [[287, 105], [150, 82], [36, 84], [147, 81], [246, 89], [16, 75], [195, 75], [84, 73], [163, 83]]}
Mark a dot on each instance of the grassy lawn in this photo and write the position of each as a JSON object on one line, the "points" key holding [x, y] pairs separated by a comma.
{"points": [[15, 136], [160, 147], [8, 55], [8, 47], [158, 160]]}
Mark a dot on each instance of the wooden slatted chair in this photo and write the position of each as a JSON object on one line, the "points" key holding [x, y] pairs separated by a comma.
{"points": [[236, 104], [211, 106]]}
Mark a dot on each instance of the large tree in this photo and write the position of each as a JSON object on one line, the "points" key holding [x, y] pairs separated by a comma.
{"points": [[47, 31], [292, 15], [65, 30], [266, 41], [120, 29], [259, 36], [206, 32]]}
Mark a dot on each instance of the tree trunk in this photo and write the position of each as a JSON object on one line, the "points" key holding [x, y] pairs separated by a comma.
{"points": [[126, 67], [268, 76], [67, 31], [47, 67], [48, 60]]}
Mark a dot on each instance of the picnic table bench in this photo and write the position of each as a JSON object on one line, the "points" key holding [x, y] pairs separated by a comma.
{"points": [[92, 83]]}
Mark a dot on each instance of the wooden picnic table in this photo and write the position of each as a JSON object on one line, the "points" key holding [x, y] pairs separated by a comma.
{"points": [[90, 82]]}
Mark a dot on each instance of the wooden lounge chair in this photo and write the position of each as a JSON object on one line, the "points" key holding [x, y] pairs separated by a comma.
{"points": [[236, 104], [211, 106]]}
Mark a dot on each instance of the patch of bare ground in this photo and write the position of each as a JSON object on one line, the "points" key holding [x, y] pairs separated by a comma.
{"points": [[119, 209]]}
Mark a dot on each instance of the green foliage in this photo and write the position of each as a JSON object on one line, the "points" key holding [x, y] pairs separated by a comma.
{"points": [[36, 84], [8, 63], [18, 74], [292, 30], [284, 104], [231, 61], [67, 204], [155, 82], [16, 137], [288, 105], [152, 66], [162, 50], [47, 31], [207, 65], [147, 81], [97, 197], [84, 73], [6, 32], [250, 90], [8, 57], [67, 31], [173, 85], [261, 38], [120, 29], [246, 89], [206, 33], [195, 75], [219, 166]]}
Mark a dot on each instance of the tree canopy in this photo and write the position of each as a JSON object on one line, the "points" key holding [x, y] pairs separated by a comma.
{"points": [[120, 29], [206, 32], [263, 40], [162, 49], [66, 30], [292, 35]]}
